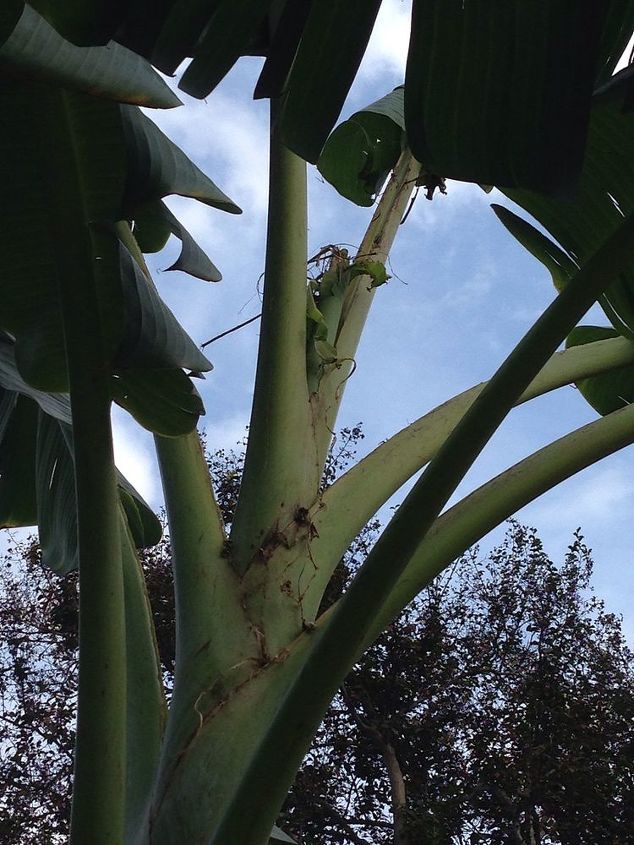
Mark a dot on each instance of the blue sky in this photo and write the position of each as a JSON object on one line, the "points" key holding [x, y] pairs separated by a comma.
{"points": [[462, 294]]}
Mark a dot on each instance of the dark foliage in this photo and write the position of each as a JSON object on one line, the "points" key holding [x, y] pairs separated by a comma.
{"points": [[499, 708]]}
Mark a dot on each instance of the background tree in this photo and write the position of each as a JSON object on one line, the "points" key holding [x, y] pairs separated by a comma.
{"points": [[498, 708]]}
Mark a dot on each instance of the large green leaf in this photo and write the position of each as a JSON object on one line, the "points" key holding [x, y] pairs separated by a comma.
{"points": [[145, 527], [499, 93], [152, 336], [37, 485], [36, 50], [18, 429], [609, 391], [56, 501], [163, 401], [617, 32], [619, 88], [559, 264], [10, 13], [57, 199], [55, 495], [513, 79], [56, 405], [329, 55], [282, 48], [228, 35], [181, 32], [157, 167], [360, 153], [30, 424], [84, 21], [143, 22], [40, 250], [604, 198]]}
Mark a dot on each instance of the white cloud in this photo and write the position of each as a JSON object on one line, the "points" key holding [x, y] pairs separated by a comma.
{"points": [[227, 433], [601, 496], [387, 51], [625, 58], [227, 137], [442, 209]]}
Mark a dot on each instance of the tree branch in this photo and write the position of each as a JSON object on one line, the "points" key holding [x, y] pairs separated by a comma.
{"points": [[342, 821]]}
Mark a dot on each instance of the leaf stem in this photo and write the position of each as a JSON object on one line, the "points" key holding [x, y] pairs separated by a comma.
{"points": [[375, 246], [97, 812], [146, 705], [355, 497], [478, 513], [215, 646], [97, 815], [279, 466], [206, 588]]}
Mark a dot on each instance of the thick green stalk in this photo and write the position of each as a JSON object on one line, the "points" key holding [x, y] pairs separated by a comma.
{"points": [[478, 513], [146, 705], [211, 796], [276, 588], [356, 496], [376, 245], [84, 258], [280, 464], [216, 649], [99, 779], [209, 620]]}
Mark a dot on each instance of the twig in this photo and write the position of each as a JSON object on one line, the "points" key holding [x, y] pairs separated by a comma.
{"points": [[234, 329]]}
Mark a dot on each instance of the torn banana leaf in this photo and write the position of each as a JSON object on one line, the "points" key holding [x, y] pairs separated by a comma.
{"points": [[154, 223]]}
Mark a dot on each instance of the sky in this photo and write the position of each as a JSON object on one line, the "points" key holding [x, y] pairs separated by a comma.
{"points": [[462, 293]]}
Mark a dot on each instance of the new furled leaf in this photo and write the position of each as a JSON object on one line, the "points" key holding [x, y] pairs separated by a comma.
{"points": [[360, 153]]}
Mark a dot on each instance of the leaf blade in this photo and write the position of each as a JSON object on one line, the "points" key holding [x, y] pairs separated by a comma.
{"points": [[37, 51]]}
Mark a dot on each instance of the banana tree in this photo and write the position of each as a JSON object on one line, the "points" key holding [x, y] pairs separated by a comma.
{"points": [[83, 326]]}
